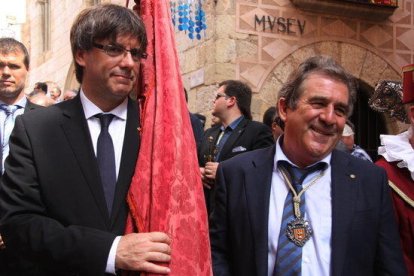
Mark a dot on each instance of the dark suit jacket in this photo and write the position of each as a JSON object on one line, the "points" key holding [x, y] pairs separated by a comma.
{"points": [[248, 135], [53, 210], [197, 127], [8, 264], [364, 235]]}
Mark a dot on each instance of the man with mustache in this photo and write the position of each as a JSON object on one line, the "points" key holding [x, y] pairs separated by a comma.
{"points": [[300, 207], [63, 195]]}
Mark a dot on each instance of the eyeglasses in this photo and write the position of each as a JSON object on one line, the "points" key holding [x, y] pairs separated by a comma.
{"points": [[117, 50], [219, 95]]}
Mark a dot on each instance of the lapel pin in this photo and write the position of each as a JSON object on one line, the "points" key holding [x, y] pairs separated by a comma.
{"points": [[353, 176]]}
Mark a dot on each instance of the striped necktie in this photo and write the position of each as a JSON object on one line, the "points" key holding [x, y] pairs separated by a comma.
{"points": [[8, 125], [289, 255]]}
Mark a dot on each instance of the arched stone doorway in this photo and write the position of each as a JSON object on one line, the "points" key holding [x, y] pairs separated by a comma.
{"points": [[365, 64]]}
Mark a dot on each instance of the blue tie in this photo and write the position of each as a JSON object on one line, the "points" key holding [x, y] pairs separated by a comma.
{"points": [[7, 129], [106, 159], [289, 255]]}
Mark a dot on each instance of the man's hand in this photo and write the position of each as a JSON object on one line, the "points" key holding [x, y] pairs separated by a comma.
{"points": [[210, 170], [141, 252], [208, 174]]}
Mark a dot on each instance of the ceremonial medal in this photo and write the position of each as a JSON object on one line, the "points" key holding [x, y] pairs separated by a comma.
{"points": [[299, 231]]}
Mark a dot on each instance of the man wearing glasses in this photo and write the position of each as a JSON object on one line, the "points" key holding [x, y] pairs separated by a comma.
{"points": [[63, 207], [236, 134]]}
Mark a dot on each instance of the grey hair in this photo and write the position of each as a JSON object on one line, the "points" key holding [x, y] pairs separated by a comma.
{"points": [[292, 90]]}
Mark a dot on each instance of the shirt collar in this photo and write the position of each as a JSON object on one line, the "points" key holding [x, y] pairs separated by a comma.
{"points": [[21, 104], [233, 124], [280, 155], [90, 109]]}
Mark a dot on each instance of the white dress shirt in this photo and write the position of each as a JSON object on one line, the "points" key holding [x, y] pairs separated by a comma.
{"points": [[116, 127], [316, 253], [117, 131], [3, 115]]}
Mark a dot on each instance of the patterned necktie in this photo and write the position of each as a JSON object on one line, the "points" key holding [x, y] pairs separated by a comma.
{"points": [[289, 255], [106, 159], [7, 129]]}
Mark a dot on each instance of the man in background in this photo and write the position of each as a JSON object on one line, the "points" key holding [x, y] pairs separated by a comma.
{"points": [[38, 96], [70, 219], [55, 93], [272, 120], [14, 66], [235, 134], [349, 141]]}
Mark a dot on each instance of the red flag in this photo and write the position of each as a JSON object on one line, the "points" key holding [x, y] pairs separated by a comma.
{"points": [[166, 191]]}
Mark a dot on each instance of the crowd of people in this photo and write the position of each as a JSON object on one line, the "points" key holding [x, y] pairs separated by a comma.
{"points": [[293, 195]]}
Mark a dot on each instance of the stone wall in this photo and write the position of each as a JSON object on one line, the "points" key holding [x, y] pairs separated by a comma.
{"points": [[235, 46], [370, 49]]}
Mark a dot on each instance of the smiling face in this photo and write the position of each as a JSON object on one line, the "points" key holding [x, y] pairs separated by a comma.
{"points": [[108, 80], [315, 125], [13, 75]]}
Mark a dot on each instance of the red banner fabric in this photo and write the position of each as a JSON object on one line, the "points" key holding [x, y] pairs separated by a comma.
{"points": [[166, 192]]}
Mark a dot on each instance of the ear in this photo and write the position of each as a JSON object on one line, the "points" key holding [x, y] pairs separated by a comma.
{"points": [[231, 101], [80, 57], [282, 107]]}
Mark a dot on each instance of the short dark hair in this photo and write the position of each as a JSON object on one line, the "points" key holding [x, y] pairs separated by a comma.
{"points": [[11, 45], [269, 116], [104, 21], [292, 90], [42, 86], [242, 93]]}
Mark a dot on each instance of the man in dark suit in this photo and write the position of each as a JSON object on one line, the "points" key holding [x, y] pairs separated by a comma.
{"points": [[63, 194], [236, 134], [300, 207], [14, 66]]}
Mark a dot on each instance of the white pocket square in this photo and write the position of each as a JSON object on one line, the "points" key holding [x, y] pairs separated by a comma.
{"points": [[238, 149]]}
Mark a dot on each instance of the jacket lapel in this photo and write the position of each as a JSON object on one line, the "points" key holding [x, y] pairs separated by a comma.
{"points": [[344, 188], [77, 133], [128, 160], [228, 146], [257, 185]]}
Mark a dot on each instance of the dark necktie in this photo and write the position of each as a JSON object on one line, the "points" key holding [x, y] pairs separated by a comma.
{"points": [[106, 159], [224, 135], [289, 255]]}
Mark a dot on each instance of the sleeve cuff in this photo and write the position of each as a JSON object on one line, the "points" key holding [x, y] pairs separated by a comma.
{"points": [[110, 263]]}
